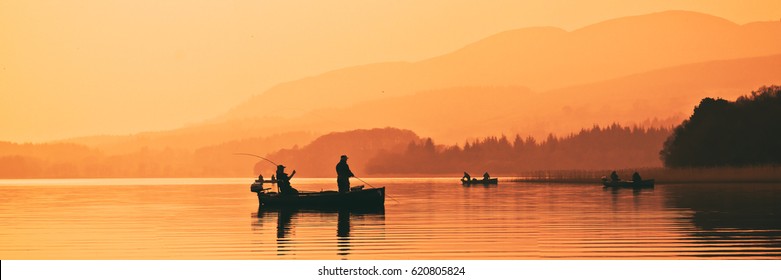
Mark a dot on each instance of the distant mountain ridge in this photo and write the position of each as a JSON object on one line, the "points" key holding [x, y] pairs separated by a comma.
{"points": [[455, 114], [541, 58], [667, 95]]}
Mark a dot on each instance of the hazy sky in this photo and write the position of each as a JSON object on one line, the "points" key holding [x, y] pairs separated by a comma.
{"points": [[75, 68]]}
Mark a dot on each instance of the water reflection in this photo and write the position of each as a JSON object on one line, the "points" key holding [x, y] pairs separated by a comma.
{"points": [[615, 195], [726, 215], [425, 220], [343, 232], [346, 219], [634, 191]]}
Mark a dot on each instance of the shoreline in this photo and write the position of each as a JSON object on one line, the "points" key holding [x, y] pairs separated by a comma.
{"points": [[658, 182], [759, 174]]}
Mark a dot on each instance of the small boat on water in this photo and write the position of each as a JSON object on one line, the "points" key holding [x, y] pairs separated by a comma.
{"points": [[356, 198], [490, 181], [628, 184]]}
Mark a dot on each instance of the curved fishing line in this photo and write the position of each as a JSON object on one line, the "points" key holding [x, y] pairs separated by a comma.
{"points": [[370, 185], [257, 156]]}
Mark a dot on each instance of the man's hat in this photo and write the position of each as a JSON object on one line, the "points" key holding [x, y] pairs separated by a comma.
{"points": [[280, 166], [344, 157]]}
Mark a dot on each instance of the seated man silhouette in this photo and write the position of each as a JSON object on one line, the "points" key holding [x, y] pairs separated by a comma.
{"points": [[283, 181], [614, 176], [636, 177], [466, 177]]}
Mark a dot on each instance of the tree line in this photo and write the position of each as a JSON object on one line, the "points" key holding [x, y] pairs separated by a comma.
{"points": [[746, 132], [614, 146]]}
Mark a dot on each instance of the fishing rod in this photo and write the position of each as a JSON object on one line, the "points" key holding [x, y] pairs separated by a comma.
{"points": [[260, 157], [257, 156], [370, 185]]}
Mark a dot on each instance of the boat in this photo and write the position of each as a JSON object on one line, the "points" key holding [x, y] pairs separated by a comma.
{"points": [[628, 184], [490, 181], [356, 198]]}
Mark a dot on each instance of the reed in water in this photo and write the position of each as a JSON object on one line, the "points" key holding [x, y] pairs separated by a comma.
{"points": [[756, 174]]}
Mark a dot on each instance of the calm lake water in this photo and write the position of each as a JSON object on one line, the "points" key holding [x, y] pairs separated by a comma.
{"points": [[422, 219]]}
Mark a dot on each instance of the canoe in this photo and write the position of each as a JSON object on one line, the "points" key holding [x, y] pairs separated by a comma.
{"points": [[357, 198], [490, 181], [629, 184]]}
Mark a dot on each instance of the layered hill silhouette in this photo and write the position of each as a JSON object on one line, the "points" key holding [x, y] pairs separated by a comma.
{"points": [[656, 98], [538, 58], [489, 86], [264, 135], [661, 97]]}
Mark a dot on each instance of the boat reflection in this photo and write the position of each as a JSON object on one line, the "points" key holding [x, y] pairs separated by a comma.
{"points": [[615, 194], [343, 232], [310, 221], [634, 191]]}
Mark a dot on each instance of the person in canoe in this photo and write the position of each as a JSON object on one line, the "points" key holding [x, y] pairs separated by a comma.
{"points": [[466, 177], [636, 177], [283, 181], [614, 176], [486, 176], [343, 174]]}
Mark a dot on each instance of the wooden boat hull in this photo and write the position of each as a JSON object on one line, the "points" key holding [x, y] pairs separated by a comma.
{"points": [[629, 184], [356, 199], [491, 181]]}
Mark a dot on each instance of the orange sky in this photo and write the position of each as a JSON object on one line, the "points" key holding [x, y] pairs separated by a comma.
{"points": [[75, 68]]}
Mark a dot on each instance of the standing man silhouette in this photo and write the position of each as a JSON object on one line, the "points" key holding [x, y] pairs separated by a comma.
{"points": [[343, 175]]}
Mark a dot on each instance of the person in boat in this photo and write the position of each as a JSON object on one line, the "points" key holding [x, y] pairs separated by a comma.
{"points": [[466, 177], [273, 179], [343, 174], [486, 176], [614, 176], [636, 177], [283, 181], [260, 178]]}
